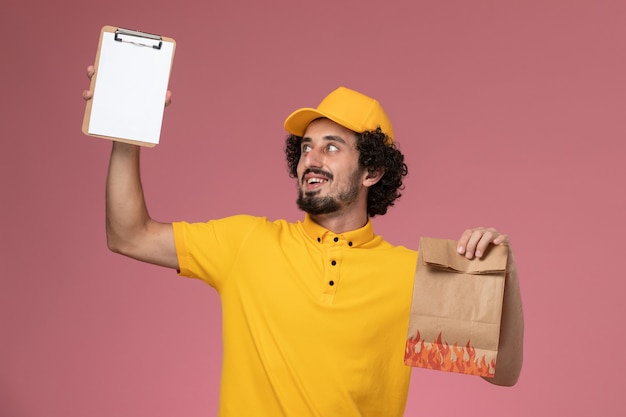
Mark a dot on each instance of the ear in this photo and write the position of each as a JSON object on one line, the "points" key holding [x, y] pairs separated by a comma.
{"points": [[373, 176]]}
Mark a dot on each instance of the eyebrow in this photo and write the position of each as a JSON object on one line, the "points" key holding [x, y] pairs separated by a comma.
{"points": [[330, 138]]}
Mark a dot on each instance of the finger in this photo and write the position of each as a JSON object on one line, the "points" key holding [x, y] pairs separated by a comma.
{"points": [[473, 246], [501, 239], [486, 238], [489, 236], [87, 94], [168, 98], [475, 242], [463, 240]]}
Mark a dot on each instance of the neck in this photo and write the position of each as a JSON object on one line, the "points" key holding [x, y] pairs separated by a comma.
{"points": [[340, 222]]}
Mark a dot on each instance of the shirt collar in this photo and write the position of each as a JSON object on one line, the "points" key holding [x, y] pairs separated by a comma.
{"points": [[354, 238]]}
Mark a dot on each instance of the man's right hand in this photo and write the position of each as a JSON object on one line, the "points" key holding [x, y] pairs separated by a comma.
{"points": [[88, 94]]}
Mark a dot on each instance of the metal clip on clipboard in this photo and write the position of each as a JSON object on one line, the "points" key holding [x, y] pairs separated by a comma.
{"points": [[138, 38]]}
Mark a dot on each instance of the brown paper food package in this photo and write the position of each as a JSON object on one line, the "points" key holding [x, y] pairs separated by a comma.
{"points": [[456, 309]]}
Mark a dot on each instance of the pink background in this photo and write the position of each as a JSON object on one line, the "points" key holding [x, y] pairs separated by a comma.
{"points": [[510, 113]]}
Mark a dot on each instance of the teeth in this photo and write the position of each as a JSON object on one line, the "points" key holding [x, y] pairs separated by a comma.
{"points": [[315, 180]]}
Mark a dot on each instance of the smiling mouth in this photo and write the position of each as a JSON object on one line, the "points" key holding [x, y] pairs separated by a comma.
{"points": [[316, 180], [316, 177], [313, 184]]}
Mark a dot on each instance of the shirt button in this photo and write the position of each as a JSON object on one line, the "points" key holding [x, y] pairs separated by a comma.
{"points": [[331, 283], [319, 239], [333, 263], [336, 239], [349, 243]]}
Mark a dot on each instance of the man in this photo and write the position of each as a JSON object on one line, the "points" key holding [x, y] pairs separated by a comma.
{"points": [[315, 313]]}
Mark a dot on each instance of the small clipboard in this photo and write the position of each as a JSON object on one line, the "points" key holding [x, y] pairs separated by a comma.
{"points": [[132, 71]]}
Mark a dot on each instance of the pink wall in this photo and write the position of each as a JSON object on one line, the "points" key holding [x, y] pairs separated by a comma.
{"points": [[511, 113]]}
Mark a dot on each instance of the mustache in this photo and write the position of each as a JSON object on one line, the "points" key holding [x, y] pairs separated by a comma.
{"points": [[316, 171]]}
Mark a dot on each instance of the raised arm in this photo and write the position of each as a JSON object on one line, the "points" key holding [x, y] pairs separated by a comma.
{"points": [[474, 242], [129, 229]]}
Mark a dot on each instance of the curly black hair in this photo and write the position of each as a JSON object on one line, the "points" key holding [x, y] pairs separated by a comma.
{"points": [[374, 154]]}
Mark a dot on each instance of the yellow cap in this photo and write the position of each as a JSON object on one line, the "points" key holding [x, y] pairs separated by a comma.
{"points": [[349, 108]]}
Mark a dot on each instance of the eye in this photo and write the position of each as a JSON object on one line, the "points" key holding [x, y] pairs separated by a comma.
{"points": [[332, 148], [306, 148]]}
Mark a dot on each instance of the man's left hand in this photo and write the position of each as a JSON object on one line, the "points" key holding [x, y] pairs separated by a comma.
{"points": [[474, 242]]}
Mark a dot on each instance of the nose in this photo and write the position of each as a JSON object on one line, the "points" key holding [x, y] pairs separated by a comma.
{"points": [[312, 158]]}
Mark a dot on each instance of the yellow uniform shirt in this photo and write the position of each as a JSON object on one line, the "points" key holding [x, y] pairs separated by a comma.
{"points": [[314, 323]]}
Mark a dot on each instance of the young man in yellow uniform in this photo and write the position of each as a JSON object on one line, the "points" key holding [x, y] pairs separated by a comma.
{"points": [[315, 313]]}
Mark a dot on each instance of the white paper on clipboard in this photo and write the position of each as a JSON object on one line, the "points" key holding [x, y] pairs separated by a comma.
{"points": [[129, 86]]}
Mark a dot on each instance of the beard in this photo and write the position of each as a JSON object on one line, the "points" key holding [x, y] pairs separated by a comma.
{"points": [[310, 202]]}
